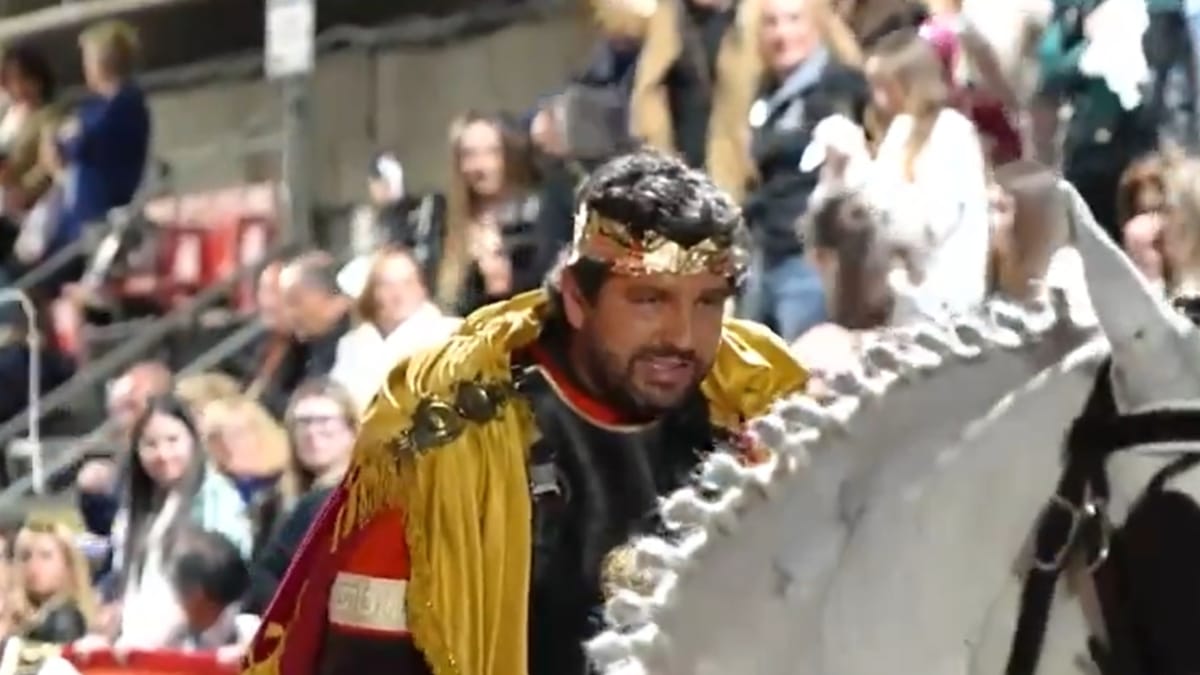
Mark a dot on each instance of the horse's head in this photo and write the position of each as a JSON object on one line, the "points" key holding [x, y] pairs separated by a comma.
{"points": [[1155, 350]]}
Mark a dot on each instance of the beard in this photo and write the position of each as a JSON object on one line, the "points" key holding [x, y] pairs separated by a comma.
{"points": [[616, 379]]}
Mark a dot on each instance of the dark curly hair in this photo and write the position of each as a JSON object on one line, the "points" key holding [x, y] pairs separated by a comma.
{"points": [[651, 191]]}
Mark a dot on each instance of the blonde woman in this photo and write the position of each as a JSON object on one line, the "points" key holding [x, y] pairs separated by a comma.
{"points": [[933, 162], [803, 83], [245, 443], [103, 148], [54, 601], [396, 319], [197, 391]]}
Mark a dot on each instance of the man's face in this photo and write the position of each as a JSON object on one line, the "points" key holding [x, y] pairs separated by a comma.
{"points": [[301, 306], [787, 35], [399, 291], [97, 71], [269, 300], [648, 341]]}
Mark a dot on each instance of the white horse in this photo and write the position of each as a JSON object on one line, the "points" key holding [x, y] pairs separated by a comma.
{"points": [[891, 532]]}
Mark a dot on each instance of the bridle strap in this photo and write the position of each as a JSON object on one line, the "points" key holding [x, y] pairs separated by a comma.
{"points": [[1075, 518], [1148, 428]]}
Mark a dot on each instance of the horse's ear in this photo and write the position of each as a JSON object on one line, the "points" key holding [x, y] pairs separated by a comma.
{"points": [[1125, 303]]}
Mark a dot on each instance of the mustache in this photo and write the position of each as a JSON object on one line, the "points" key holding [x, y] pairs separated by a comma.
{"points": [[667, 353]]}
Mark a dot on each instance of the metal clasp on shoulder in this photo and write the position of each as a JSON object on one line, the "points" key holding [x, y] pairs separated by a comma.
{"points": [[1090, 513]]}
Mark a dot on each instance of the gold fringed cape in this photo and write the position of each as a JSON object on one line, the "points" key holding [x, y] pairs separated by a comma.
{"points": [[467, 501]]}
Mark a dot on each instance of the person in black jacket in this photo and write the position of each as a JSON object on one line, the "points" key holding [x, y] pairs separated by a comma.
{"points": [[317, 314], [268, 568], [804, 84]]}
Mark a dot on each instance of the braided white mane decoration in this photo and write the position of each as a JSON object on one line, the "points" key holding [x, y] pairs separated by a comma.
{"points": [[882, 534]]}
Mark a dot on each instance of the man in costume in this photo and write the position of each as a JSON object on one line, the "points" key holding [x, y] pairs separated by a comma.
{"points": [[496, 475]]}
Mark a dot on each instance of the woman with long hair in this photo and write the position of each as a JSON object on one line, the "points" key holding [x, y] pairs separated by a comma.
{"points": [[848, 245], [847, 242], [933, 162], [488, 247], [170, 487], [54, 600]]}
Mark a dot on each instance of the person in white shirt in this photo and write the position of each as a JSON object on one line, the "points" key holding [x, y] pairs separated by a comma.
{"points": [[932, 161], [397, 319]]}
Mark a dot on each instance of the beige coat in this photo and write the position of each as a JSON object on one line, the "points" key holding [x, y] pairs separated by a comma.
{"points": [[739, 68], [23, 167]]}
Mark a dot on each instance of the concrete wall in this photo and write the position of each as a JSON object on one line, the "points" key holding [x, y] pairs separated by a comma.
{"points": [[401, 100]]}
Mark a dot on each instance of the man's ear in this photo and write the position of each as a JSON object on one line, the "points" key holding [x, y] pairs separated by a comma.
{"points": [[575, 305]]}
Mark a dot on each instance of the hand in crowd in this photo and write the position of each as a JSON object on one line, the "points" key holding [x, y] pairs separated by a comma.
{"points": [[546, 133], [495, 267], [230, 655], [91, 643], [16, 200], [108, 619], [833, 170], [828, 350], [1143, 238], [97, 476]]}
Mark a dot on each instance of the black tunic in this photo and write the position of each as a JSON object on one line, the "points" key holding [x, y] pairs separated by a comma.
{"points": [[596, 484]]}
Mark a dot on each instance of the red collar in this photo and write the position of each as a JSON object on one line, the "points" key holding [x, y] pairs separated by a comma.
{"points": [[576, 396]]}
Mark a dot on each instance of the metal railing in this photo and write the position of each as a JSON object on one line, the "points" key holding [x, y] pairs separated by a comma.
{"points": [[154, 334], [76, 450], [33, 439], [54, 264]]}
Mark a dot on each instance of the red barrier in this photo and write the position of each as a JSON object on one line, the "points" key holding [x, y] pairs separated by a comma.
{"points": [[157, 662], [206, 237]]}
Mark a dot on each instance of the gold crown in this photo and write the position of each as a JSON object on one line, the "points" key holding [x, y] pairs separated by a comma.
{"points": [[608, 241]]}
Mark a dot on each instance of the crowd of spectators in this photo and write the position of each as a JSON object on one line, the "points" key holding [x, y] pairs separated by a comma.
{"points": [[892, 164]]}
